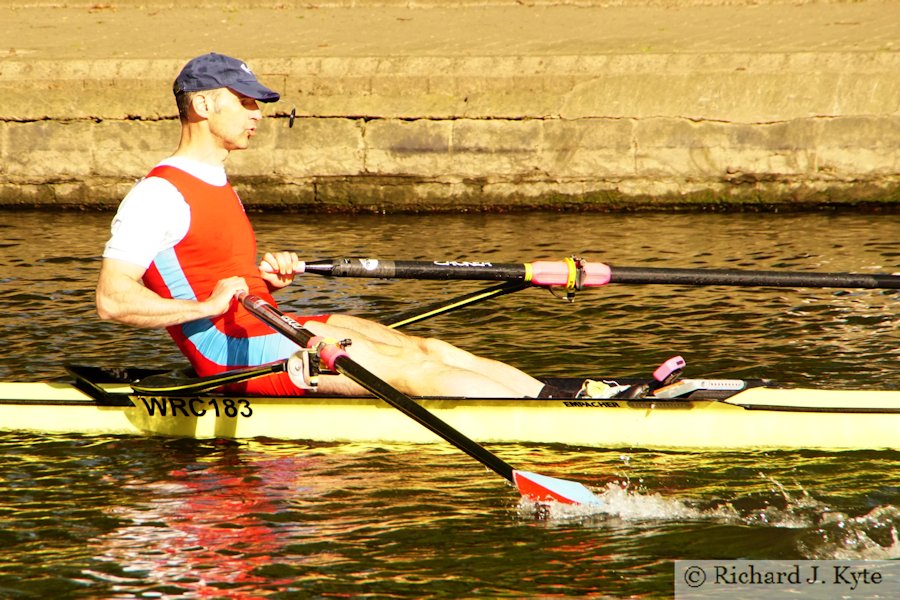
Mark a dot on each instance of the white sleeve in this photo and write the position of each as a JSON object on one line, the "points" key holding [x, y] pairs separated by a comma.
{"points": [[153, 217]]}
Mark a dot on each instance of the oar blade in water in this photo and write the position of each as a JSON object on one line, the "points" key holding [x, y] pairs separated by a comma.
{"points": [[541, 488]]}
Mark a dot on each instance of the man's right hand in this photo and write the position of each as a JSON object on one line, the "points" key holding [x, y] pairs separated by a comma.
{"points": [[223, 294]]}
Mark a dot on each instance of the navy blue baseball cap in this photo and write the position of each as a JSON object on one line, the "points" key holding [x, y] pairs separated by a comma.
{"points": [[212, 71]]}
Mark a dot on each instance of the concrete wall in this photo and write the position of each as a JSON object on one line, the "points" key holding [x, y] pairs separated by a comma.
{"points": [[581, 126]]}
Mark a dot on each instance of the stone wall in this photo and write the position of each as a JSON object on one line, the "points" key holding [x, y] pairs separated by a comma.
{"points": [[584, 126]]}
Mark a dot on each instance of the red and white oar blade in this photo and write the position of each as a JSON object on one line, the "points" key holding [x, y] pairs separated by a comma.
{"points": [[541, 488]]}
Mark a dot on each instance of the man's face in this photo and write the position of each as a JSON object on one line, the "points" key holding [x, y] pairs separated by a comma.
{"points": [[232, 117]]}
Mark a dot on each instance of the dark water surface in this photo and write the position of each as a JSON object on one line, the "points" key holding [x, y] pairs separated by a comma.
{"points": [[131, 517]]}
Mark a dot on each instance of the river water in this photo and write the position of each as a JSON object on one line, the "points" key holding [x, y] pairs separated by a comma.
{"points": [[132, 517]]}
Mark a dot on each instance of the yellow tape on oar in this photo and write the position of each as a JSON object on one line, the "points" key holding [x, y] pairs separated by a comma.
{"points": [[529, 272], [573, 280]]}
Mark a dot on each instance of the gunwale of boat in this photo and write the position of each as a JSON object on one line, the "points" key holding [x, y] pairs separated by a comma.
{"points": [[758, 417]]}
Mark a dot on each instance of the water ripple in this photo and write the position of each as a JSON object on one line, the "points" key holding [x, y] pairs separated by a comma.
{"points": [[117, 517]]}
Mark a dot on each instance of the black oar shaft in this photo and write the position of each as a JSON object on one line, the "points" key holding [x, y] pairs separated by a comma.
{"points": [[590, 274], [645, 275], [347, 366]]}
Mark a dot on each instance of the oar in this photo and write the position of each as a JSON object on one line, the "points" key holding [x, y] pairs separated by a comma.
{"points": [[577, 274], [445, 306], [333, 356]]}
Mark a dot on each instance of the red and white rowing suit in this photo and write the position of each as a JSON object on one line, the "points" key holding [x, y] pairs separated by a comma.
{"points": [[186, 225]]}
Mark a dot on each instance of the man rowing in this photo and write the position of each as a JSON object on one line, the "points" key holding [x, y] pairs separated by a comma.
{"points": [[182, 247]]}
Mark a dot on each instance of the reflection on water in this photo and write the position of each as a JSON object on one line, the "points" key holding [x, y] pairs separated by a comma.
{"points": [[117, 517], [208, 521], [136, 517]]}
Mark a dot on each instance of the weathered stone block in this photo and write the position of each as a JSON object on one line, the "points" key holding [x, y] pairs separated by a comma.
{"points": [[129, 149], [47, 150], [587, 148], [682, 148], [323, 147], [861, 146], [407, 147], [494, 148]]}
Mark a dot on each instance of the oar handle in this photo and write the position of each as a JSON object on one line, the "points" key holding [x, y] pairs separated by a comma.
{"points": [[336, 358]]}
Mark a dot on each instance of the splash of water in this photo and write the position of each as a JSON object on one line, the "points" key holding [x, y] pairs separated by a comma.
{"points": [[829, 534], [619, 501], [872, 536]]}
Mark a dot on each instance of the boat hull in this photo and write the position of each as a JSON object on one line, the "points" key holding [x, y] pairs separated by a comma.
{"points": [[758, 417]]}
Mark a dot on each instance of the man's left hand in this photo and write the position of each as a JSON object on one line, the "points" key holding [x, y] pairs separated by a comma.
{"points": [[278, 268]]}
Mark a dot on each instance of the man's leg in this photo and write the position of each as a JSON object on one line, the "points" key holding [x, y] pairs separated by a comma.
{"points": [[420, 366]]}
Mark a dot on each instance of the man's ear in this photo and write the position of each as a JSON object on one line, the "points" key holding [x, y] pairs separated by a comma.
{"points": [[202, 104]]}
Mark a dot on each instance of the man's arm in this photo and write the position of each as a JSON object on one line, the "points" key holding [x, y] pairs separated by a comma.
{"points": [[122, 297]]}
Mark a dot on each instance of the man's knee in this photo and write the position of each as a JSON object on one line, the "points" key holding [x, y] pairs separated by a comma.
{"points": [[439, 349]]}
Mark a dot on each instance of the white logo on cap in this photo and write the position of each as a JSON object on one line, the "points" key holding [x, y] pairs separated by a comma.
{"points": [[246, 68]]}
